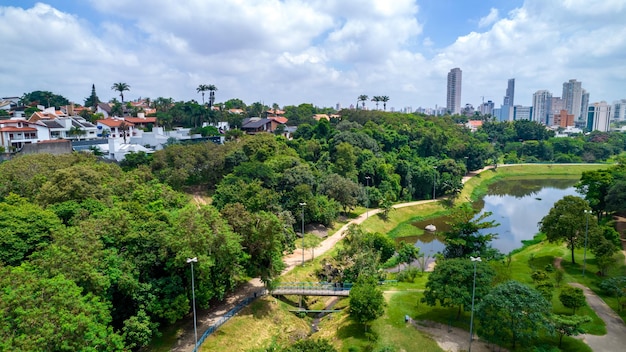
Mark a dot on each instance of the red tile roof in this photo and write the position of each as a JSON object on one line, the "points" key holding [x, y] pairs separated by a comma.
{"points": [[140, 119], [114, 122], [282, 120], [17, 129]]}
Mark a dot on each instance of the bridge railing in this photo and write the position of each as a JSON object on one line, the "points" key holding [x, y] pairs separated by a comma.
{"points": [[325, 286]]}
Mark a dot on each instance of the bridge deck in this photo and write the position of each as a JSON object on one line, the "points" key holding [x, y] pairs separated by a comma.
{"points": [[308, 292]]}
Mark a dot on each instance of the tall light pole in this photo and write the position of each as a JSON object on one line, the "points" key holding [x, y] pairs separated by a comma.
{"points": [[193, 295], [302, 205], [367, 196], [434, 180], [475, 260], [587, 212]]}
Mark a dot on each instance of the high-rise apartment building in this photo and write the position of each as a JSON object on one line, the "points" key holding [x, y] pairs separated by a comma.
{"points": [[453, 101], [619, 110], [584, 104], [542, 106], [572, 97], [599, 117], [486, 108]]}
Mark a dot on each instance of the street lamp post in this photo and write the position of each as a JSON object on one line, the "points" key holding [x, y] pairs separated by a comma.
{"points": [[475, 260], [587, 212], [302, 205], [434, 181], [367, 196], [193, 295]]}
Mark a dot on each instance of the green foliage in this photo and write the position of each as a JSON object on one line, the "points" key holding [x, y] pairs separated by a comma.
{"points": [[463, 238], [512, 313], [45, 98], [452, 281], [565, 325], [24, 227], [572, 297], [309, 345], [366, 301], [51, 314], [566, 222], [616, 287]]}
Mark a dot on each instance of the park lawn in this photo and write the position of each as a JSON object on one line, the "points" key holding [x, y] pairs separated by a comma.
{"points": [[390, 330], [264, 321], [400, 219]]}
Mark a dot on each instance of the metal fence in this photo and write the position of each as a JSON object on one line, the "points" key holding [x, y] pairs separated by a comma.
{"points": [[227, 316]]}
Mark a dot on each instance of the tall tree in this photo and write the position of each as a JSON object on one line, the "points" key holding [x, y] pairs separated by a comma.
{"points": [[363, 99], [376, 99], [120, 87], [366, 301], [513, 312], [201, 89], [93, 99], [464, 239], [212, 89], [566, 222], [451, 283], [384, 99]]}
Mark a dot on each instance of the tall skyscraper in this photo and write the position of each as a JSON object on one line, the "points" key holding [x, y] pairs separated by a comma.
{"points": [[584, 104], [572, 97], [509, 98], [507, 111], [542, 106], [453, 101]]}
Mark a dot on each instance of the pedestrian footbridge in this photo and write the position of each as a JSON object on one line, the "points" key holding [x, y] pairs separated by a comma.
{"points": [[312, 289]]}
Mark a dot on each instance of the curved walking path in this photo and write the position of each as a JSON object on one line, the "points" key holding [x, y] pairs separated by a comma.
{"points": [[615, 338], [206, 318]]}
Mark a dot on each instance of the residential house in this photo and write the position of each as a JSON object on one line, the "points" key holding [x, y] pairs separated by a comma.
{"points": [[104, 109], [252, 125], [115, 128], [16, 132]]}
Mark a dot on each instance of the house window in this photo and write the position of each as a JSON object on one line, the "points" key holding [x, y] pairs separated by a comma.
{"points": [[10, 135]]}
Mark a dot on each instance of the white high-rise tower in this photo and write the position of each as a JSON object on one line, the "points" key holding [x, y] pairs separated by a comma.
{"points": [[453, 101]]}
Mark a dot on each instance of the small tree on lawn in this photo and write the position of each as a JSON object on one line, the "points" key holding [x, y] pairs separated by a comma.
{"points": [[451, 282], [572, 297], [366, 301], [616, 287], [569, 325], [512, 312]]}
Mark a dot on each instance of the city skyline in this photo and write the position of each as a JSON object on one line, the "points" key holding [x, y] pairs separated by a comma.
{"points": [[319, 52]]}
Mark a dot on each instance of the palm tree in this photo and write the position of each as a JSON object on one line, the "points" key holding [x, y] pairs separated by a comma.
{"points": [[363, 99], [120, 87], [377, 100], [384, 99], [201, 89], [212, 89]]}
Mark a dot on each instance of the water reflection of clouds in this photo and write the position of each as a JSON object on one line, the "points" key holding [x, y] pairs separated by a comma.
{"points": [[519, 217]]}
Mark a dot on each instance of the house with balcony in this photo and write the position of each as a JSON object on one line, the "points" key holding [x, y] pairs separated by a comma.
{"points": [[16, 132]]}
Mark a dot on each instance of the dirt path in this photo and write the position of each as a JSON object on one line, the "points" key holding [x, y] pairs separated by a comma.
{"points": [[208, 317], [615, 338], [451, 339]]}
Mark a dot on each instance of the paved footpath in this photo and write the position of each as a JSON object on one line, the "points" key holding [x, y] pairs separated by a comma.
{"points": [[615, 338]]}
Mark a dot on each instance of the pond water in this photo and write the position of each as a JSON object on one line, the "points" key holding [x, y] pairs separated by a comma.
{"points": [[517, 205]]}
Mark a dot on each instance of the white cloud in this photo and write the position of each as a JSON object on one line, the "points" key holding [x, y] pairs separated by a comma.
{"points": [[489, 19], [318, 51]]}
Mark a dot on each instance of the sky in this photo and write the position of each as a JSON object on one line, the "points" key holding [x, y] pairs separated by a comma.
{"points": [[323, 52]]}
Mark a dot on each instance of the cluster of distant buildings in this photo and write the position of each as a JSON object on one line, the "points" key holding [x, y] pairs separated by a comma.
{"points": [[571, 112]]}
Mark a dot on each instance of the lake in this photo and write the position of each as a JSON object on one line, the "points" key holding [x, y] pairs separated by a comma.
{"points": [[516, 204]]}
